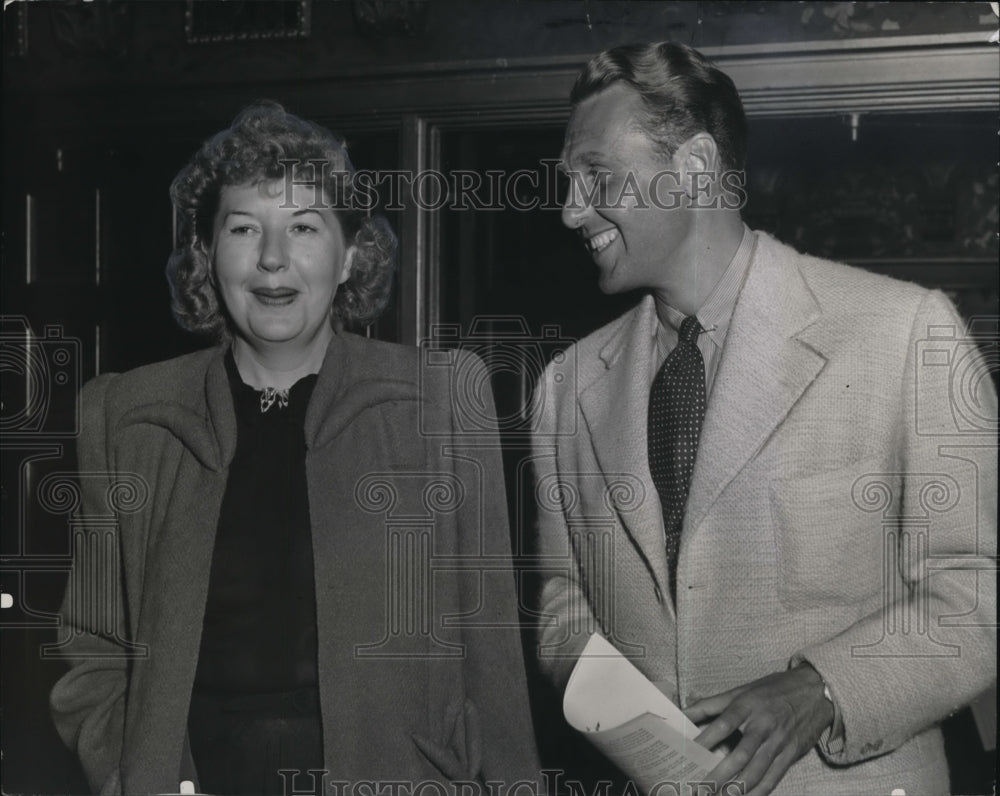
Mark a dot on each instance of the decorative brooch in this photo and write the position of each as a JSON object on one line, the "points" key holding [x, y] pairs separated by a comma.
{"points": [[269, 395]]}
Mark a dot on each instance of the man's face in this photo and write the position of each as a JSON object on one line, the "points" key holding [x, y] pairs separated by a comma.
{"points": [[624, 198]]}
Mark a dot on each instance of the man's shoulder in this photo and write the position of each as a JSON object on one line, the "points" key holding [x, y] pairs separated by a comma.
{"points": [[846, 289]]}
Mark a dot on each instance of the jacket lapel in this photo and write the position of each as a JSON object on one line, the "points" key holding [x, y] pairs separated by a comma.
{"points": [[765, 368], [349, 383], [204, 421], [176, 585], [615, 407]]}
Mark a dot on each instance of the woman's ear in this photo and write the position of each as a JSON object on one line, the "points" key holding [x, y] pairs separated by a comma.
{"points": [[345, 269], [205, 251]]}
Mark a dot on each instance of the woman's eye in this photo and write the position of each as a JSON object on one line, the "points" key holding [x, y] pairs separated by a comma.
{"points": [[242, 229], [303, 228]]}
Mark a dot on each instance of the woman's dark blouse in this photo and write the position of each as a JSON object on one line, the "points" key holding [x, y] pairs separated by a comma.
{"points": [[258, 644]]}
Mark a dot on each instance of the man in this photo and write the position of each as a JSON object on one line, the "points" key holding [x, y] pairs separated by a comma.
{"points": [[762, 482]]}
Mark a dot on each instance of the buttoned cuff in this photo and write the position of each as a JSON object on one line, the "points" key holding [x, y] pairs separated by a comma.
{"points": [[831, 740]]}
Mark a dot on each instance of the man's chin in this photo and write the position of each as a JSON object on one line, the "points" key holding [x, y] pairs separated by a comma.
{"points": [[608, 284]]}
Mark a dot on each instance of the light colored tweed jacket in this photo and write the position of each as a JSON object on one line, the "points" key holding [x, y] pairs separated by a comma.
{"points": [[842, 511]]}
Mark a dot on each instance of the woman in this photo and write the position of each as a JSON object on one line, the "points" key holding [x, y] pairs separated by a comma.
{"points": [[278, 591]]}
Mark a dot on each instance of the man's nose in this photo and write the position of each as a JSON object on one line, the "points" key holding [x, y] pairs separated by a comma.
{"points": [[273, 253], [575, 208]]}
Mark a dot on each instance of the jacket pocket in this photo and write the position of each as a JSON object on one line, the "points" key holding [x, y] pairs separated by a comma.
{"points": [[112, 786], [831, 544], [458, 753]]}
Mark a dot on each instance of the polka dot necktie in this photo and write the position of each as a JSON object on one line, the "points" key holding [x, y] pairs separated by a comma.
{"points": [[676, 411]]}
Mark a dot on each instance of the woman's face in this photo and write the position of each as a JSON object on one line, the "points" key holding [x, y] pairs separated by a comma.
{"points": [[278, 256]]}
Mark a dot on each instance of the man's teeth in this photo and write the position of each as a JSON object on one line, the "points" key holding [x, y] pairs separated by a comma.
{"points": [[602, 240]]}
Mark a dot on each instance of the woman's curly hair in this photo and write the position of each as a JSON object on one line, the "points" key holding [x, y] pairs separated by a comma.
{"points": [[262, 142]]}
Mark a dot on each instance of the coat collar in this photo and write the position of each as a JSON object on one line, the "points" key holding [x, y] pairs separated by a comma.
{"points": [[196, 406], [614, 407], [766, 366], [352, 379]]}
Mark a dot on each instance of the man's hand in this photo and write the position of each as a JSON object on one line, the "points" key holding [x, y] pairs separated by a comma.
{"points": [[781, 717]]}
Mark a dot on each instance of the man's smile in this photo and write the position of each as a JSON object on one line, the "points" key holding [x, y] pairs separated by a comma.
{"points": [[599, 242]]}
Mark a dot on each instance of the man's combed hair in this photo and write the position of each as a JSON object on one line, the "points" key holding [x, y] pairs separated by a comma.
{"points": [[682, 94], [262, 143]]}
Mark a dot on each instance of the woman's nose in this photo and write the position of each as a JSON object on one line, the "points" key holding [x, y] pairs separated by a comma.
{"points": [[273, 255]]}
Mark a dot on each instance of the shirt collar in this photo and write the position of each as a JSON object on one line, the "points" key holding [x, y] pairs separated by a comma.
{"points": [[717, 311]]}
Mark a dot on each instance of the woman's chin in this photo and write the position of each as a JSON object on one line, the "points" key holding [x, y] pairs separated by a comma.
{"points": [[277, 335]]}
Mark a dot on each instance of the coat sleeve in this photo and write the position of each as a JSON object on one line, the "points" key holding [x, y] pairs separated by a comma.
{"points": [[932, 647], [495, 666], [565, 620], [88, 702]]}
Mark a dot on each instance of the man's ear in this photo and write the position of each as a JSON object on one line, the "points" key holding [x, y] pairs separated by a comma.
{"points": [[345, 272], [698, 155]]}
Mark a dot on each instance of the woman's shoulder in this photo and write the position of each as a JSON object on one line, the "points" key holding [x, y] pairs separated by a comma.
{"points": [[428, 364], [380, 356], [172, 379]]}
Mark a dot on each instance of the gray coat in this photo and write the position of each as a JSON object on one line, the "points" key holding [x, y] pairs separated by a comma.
{"points": [[420, 662]]}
